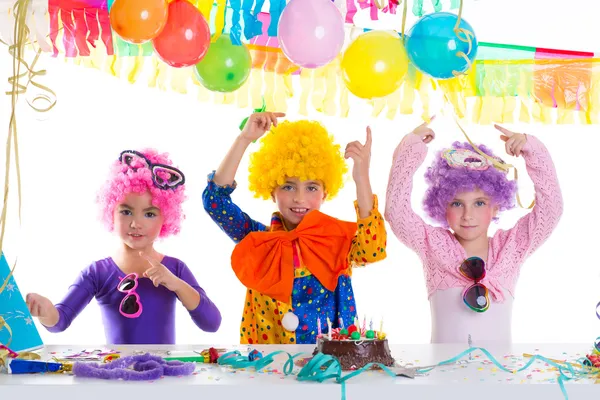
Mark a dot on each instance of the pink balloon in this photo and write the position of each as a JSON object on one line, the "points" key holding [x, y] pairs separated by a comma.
{"points": [[311, 32]]}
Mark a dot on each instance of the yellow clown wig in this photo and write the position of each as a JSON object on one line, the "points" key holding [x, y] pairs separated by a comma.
{"points": [[301, 149]]}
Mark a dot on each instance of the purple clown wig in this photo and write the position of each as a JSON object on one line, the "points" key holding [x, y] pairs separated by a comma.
{"points": [[148, 169], [446, 181]]}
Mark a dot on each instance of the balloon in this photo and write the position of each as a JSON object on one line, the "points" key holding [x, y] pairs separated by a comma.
{"points": [[374, 64], [226, 67], [311, 32], [138, 21], [434, 47], [186, 37]]}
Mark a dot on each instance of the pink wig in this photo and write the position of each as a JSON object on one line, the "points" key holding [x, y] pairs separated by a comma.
{"points": [[124, 180]]}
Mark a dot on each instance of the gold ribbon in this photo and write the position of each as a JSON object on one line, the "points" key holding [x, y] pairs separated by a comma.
{"points": [[498, 165], [4, 325], [17, 51], [468, 38]]}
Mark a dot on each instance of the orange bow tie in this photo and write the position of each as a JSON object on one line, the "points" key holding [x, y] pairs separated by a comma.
{"points": [[263, 261]]}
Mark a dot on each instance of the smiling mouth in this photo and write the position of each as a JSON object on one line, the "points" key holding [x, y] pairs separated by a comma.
{"points": [[135, 235], [468, 227], [300, 211]]}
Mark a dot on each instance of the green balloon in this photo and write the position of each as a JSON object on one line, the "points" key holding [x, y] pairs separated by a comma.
{"points": [[225, 67]]}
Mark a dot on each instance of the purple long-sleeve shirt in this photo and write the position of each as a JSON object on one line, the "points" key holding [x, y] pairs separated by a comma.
{"points": [[156, 324]]}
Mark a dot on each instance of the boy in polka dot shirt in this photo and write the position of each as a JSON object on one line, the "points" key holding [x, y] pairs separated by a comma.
{"points": [[298, 269]]}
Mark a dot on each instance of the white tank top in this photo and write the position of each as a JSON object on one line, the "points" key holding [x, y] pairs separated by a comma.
{"points": [[452, 321]]}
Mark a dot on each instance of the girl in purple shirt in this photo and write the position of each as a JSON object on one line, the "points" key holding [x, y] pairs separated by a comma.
{"points": [[137, 287]]}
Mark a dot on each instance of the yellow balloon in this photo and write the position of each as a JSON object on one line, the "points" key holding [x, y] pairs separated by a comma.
{"points": [[374, 64]]}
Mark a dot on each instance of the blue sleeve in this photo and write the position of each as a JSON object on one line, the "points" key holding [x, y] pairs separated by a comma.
{"points": [[206, 316], [225, 213], [80, 293]]}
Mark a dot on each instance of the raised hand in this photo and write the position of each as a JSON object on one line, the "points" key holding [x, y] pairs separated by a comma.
{"points": [[260, 123], [425, 132], [514, 142], [361, 156], [160, 275]]}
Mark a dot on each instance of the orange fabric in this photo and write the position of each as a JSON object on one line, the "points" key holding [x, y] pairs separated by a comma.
{"points": [[263, 261]]}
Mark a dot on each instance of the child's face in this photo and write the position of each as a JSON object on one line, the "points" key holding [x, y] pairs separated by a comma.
{"points": [[469, 214], [137, 221], [295, 198]]}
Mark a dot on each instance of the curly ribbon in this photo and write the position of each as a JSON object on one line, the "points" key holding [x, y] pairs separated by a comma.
{"points": [[219, 19], [6, 352], [467, 38], [252, 26], [498, 165], [17, 50], [324, 367], [275, 11], [235, 360], [597, 308], [4, 325]]}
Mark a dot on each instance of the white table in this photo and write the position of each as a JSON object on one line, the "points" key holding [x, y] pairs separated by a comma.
{"points": [[478, 379]]}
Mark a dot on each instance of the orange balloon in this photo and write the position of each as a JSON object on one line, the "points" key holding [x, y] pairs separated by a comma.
{"points": [[138, 21]]}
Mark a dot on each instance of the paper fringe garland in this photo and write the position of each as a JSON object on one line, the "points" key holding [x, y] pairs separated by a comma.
{"points": [[547, 91], [547, 88]]}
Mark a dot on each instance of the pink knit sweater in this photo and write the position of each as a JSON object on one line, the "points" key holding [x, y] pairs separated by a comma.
{"points": [[439, 250]]}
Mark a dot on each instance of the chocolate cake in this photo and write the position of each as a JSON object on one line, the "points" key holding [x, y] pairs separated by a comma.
{"points": [[355, 353]]}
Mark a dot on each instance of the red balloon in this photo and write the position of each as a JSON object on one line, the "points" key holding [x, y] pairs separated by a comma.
{"points": [[186, 37]]}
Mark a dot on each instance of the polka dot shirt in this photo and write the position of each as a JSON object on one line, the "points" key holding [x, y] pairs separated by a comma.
{"points": [[262, 319]]}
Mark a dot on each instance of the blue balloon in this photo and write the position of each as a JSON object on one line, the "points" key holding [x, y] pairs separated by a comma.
{"points": [[434, 47]]}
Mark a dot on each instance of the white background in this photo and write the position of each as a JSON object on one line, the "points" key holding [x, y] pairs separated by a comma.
{"points": [[65, 156]]}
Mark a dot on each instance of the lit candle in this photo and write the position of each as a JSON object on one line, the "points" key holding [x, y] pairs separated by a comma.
{"points": [[329, 327], [371, 324], [381, 326], [341, 323], [318, 326], [364, 327]]}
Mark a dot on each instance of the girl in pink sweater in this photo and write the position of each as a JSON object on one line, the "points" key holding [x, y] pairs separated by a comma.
{"points": [[471, 277]]}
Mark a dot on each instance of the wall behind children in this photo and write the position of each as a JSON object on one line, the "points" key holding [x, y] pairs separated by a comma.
{"points": [[65, 154]]}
